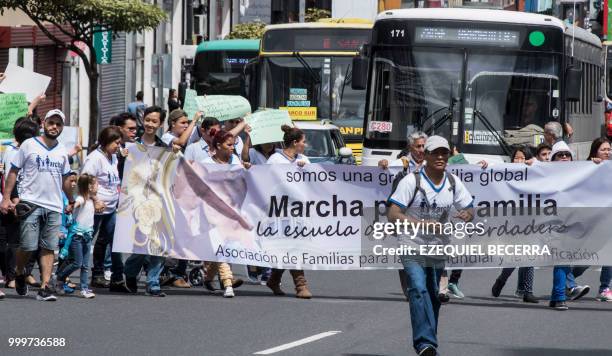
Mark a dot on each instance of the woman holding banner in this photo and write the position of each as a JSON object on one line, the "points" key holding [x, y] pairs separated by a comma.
{"points": [[294, 142]]}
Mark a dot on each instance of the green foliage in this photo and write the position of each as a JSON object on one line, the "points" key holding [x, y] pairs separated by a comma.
{"points": [[314, 14], [81, 15], [246, 31]]}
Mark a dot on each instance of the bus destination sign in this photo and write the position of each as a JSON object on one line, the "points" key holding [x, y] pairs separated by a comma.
{"points": [[466, 36]]}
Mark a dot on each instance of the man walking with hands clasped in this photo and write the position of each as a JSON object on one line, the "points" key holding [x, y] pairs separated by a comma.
{"points": [[427, 196]]}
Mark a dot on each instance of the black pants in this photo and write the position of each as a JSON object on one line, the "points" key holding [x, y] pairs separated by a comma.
{"points": [[9, 243]]}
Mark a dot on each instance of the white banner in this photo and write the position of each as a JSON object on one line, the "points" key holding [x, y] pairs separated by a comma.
{"points": [[326, 216]]}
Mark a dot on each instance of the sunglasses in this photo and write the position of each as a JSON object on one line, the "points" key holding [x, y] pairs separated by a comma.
{"points": [[563, 155]]}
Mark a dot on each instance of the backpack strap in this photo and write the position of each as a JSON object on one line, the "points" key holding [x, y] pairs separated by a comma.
{"points": [[451, 181], [417, 187]]}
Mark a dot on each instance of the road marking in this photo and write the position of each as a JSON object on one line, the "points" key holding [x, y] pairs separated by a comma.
{"points": [[297, 343]]}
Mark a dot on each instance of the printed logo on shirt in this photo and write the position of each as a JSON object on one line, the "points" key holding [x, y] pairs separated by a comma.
{"points": [[112, 178], [45, 164]]}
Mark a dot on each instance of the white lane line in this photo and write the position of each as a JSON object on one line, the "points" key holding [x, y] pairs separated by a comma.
{"points": [[297, 343]]}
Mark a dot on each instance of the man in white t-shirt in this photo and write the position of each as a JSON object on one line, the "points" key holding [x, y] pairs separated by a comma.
{"points": [[428, 198], [42, 162], [415, 154]]}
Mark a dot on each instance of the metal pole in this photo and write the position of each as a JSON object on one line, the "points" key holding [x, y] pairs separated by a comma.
{"points": [[160, 81]]}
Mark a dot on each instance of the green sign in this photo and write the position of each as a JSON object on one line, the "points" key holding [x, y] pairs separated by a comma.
{"points": [[536, 38], [223, 107], [103, 44], [609, 24], [266, 125], [12, 107], [190, 106]]}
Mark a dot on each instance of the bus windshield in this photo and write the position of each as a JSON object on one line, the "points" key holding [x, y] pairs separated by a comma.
{"points": [[218, 72], [506, 99], [316, 86]]}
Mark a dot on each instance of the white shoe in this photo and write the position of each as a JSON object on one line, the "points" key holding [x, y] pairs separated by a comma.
{"points": [[229, 292], [87, 294], [107, 275]]}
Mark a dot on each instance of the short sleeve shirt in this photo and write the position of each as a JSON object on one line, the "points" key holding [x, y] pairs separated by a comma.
{"points": [[280, 157], [255, 157], [41, 173], [198, 151], [234, 160], [84, 214], [107, 173]]}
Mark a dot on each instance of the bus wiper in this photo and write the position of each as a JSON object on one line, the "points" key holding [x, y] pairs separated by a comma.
{"points": [[487, 124], [305, 64]]}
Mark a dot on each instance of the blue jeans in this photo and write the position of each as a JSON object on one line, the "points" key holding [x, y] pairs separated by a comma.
{"points": [[40, 229], [604, 277], [560, 274], [423, 280], [77, 258], [108, 262], [104, 225], [155, 265]]}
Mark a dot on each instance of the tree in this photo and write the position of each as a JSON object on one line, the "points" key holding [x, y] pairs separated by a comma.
{"points": [[314, 14], [80, 20], [250, 30]]}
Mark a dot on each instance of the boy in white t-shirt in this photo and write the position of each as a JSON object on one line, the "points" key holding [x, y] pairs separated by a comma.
{"points": [[432, 195], [43, 162]]}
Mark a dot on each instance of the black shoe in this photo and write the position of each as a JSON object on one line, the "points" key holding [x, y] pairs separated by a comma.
{"points": [[208, 285], [132, 285], [530, 298], [560, 305], [497, 287], [443, 298], [119, 287], [20, 285], [428, 351], [99, 282], [155, 293], [46, 295], [237, 282]]}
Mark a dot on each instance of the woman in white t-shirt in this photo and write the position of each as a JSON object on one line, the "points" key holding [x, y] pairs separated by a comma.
{"points": [[102, 164], [223, 145], [81, 232], [180, 131], [294, 142]]}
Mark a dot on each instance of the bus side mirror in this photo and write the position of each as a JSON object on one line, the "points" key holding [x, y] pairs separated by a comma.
{"points": [[360, 73], [573, 79]]}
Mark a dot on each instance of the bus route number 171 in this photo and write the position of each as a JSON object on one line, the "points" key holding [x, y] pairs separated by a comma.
{"points": [[397, 33]]}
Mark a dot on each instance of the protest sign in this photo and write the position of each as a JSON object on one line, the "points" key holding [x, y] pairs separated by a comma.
{"points": [[12, 107], [266, 125], [21, 80], [223, 107], [190, 106], [331, 216]]}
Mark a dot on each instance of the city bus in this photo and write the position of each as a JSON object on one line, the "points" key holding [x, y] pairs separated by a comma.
{"points": [[218, 66], [484, 79], [305, 68]]}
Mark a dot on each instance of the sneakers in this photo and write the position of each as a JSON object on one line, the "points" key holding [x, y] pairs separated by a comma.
{"points": [[428, 351], [443, 298], [229, 292], [99, 282], [87, 294], [530, 298], [155, 293], [107, 274], [180, 283], [497, 287], [560, 305], [20, 285], [237, 282], [577, 292], [605, 295], [46, 295], [132, 285], [454, 291], [2, 295]]}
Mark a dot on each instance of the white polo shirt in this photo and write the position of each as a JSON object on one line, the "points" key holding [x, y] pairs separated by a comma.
{"points": [[280, 157], [105, 170], [41, 171], [198, 151]]}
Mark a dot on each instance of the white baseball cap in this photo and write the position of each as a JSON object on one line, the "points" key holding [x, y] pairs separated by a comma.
{"points": [[55, 112], [435, 142]]}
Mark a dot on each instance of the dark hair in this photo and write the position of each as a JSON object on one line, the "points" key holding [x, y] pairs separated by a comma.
{"points": [[219, 136], [595, 146], [139, 95], [172, 91], [157, 109], [109, 135], [85, 180], [291, 134], [259, 148], [24, 129], [121, 119], [209, 122], [543, 146], [524, 149]]}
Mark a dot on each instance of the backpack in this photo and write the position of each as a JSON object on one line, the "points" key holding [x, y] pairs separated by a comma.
{"points": [[417, 176]]}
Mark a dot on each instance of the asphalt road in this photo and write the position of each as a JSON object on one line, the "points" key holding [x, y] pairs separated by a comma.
{"points": [[352, 313]]}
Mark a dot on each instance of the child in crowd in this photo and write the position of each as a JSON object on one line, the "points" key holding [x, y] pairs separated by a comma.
{"points": [[81, 232]]}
